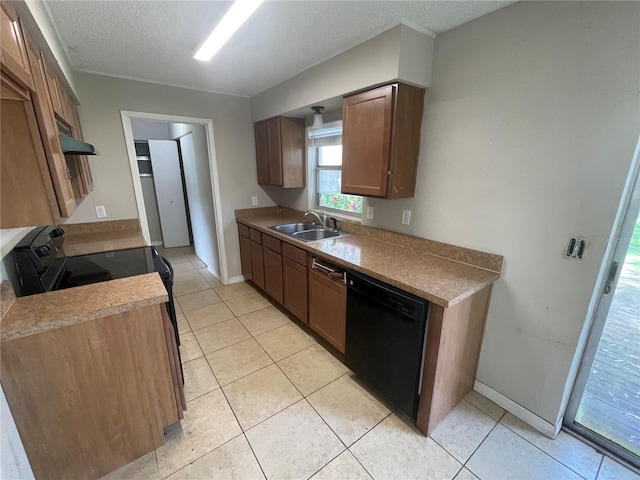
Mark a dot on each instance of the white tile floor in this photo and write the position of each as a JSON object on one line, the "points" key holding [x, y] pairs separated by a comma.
{"points": [[264, 400]]}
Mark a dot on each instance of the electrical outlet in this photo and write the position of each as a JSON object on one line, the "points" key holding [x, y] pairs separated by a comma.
{"points": [[254, 201], [406, 217], [576, 248], [370, 213], [101, 212]]}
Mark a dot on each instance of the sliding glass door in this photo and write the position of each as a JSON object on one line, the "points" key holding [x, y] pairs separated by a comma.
{"points": [[605, 403]]}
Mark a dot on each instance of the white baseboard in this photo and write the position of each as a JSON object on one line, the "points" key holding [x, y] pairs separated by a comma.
{"points": [[238, 279], [527, 416]]}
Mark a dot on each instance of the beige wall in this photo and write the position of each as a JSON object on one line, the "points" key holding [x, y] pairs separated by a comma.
{"points": [[375, 61], [102, 98], [529, 131]]}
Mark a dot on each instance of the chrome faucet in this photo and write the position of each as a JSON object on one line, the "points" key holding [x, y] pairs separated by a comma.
{"points": [[322, 220]]}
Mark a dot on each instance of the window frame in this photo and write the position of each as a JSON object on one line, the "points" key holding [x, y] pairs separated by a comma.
{"points": [[314, 154]]}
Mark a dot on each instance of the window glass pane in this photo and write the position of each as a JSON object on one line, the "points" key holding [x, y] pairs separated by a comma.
{"points": [[329, 195], [330, 156]]}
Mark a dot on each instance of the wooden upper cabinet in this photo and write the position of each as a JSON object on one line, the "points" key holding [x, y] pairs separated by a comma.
{"points": [[280, 152], [49, 134], [54, 91], [13, 51], [25, 198], [381, 141]]}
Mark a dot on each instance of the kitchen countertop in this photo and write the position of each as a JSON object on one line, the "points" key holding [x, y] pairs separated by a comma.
{"points": [[440, 280], [48, 311], [87, 238]]}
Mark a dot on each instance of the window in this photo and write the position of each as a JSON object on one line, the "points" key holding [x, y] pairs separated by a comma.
{"points": [[328, 154]]}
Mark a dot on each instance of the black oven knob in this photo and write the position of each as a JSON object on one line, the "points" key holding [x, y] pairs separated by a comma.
{"points": [[43, 251], [57, 232]]}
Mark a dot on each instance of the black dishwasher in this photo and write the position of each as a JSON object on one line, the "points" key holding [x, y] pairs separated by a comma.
{"points": [[385, 339]]}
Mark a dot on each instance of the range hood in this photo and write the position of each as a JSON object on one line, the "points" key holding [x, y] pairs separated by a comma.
{"points": [[71, 146]]}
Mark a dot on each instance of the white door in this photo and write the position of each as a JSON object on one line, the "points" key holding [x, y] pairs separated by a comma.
{"points": [[168, 182]]}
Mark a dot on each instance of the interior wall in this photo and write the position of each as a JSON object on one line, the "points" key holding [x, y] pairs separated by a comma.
{"points": [[149, 130], [528, 135], [200, 194], [103, 97], [375, 61]]}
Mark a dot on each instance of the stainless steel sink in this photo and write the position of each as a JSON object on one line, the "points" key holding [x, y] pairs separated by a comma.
{"points": [[307, 231], [317, 234], [290, 228]]}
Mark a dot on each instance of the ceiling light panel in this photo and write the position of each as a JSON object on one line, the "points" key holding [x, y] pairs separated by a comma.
{"points": [[239, 12]]}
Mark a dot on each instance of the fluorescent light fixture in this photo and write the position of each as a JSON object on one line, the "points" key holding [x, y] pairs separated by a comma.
{"points": [[239, 12]]}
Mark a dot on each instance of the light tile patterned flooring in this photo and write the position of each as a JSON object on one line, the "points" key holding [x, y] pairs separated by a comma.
{"points": [[264, 400]]}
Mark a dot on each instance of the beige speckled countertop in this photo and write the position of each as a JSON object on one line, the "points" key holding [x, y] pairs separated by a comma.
{"points": [[48, 311], [440, 280], [86, 238]]}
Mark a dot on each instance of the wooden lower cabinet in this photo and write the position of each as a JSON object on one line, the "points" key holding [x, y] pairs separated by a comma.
{"points": [[92, 397], [328, 307], [245, 257], [295, 288], [257, 264], [273, 274]]}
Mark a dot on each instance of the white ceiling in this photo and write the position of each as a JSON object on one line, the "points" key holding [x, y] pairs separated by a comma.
{"points": [[154, 40]]}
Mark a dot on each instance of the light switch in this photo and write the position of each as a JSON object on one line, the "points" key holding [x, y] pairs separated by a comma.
{"points": [[406, 217], [254, 201], [101, 212]]}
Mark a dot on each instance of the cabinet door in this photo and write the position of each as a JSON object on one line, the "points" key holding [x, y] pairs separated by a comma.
{"points": [[13, 51], [274, 133], [366, 141], [83, 161], [54, 91], [328, 308], [58, 168], [245, 256], [23, 195], [295, 288], [273, 274], [293, 152], [262, 153], [257, 264]]}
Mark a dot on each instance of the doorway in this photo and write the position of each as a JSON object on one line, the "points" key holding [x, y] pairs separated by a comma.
{"points": [[174, 172], [605, 403]]}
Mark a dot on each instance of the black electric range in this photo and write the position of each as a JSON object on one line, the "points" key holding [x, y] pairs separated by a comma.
{"points": [[38, 264]]}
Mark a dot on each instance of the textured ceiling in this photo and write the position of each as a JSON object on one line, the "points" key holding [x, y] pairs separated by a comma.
{"points": [[154, 40]]}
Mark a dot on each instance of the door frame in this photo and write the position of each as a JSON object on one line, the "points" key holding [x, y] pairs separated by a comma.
{"points": [[127, 116], [624, 225]]}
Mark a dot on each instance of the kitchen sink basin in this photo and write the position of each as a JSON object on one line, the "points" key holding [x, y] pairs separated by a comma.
{"points": [[316, 234], [307, 231], [290, 228]]}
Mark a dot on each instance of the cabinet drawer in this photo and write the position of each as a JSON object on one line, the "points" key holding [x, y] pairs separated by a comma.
{"points": [[243, 230], [294, 253], [272, 243], [255, 235]]}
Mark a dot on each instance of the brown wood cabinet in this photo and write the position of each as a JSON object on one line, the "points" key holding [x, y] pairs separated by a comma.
{"points": [[91, 397], [49, 134], [328, 307], [381, 141], [280, 152], [273, 284], [245, 257], [25, 198], [13, 51], [295, 288], [39, 183], [257, 264]]}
